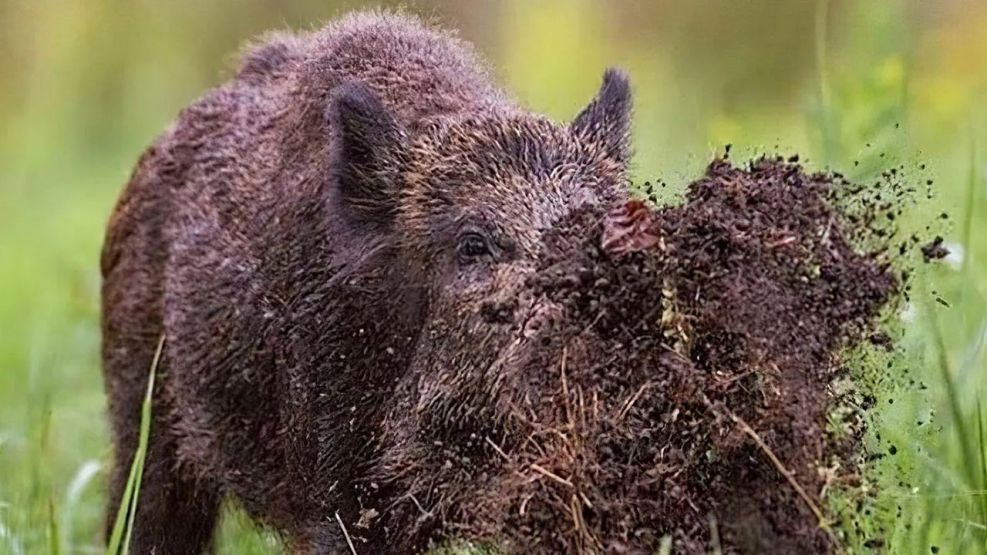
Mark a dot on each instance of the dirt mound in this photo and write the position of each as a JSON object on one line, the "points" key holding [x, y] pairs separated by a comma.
{"points": [[686, 392]]}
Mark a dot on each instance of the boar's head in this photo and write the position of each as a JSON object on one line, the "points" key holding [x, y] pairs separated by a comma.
{"points": [[464, 205]]}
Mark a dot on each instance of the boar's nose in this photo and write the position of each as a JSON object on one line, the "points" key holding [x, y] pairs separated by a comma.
{"points": [[537, 316]]}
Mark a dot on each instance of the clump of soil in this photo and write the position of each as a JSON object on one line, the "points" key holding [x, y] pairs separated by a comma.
{"points": [[687, 390], [934, 250]]}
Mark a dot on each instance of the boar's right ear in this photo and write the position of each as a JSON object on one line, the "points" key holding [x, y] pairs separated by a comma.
{"points": [[366, 157], [605, 123]]}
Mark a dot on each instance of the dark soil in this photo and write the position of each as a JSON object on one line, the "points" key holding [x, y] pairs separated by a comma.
{"points": [[686, 393], [934, 250]]}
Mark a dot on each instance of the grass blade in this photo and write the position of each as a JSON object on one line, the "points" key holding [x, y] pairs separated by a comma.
{"points": [[121, 519], [983, 464], [666, 546], [968, 212], [54, 539], [124, 523], [827, 127], [80, 481], [955, 405]]}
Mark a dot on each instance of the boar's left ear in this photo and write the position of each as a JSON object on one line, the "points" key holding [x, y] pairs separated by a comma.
{"points": [[605, 123], [366, 157]]}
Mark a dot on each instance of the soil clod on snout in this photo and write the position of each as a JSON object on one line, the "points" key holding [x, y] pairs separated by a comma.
{"points": [[687, 388]]}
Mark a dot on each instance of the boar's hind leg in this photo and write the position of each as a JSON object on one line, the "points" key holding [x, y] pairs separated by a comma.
{"points": [[176, 513]]}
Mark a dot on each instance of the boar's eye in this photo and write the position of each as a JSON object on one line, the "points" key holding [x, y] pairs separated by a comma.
{"points": [[472, 246]]}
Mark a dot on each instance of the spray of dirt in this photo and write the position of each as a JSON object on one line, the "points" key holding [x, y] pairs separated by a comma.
{"points": [[687, 391]]}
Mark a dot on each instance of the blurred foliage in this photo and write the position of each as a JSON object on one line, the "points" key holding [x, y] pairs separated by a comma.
{"points": [[858, 86]]}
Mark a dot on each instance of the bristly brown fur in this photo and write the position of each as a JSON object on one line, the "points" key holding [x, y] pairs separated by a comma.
{"points": [[306, 237]]}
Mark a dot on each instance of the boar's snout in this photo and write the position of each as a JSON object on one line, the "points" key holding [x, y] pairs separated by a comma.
{"points": [[541, 318], [537, 316]]}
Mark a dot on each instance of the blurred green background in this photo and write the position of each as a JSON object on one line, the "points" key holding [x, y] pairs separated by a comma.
{"points": [[857, 86]]}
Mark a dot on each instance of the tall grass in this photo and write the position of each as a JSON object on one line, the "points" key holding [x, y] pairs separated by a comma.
{"points": [[932, 494], [961, 457]]}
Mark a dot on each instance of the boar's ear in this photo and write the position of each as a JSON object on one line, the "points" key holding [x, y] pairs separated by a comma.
{"points": [[605, 123], [366, 157]]}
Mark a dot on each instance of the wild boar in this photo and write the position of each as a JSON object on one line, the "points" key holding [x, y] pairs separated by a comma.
{"points": [[339, 235]]}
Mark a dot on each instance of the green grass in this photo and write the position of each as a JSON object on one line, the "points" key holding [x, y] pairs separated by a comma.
{"points": [[840, 82]]}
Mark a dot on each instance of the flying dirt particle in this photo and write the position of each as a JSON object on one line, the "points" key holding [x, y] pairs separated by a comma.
{"points": [[934, 250]]}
